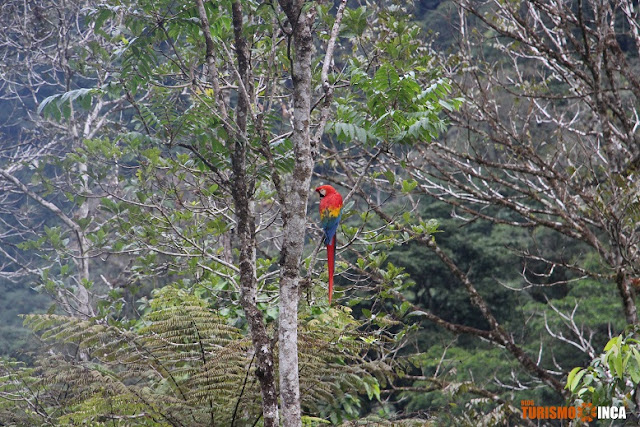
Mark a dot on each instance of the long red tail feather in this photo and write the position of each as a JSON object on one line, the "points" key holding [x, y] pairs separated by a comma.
{"points": [[331, 253]]}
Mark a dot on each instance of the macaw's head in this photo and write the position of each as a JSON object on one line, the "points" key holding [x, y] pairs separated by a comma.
{"points": [[325, 190]]}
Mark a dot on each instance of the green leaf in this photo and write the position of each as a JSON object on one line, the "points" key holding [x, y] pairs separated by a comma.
{"points": [[61, 103], [576, 380], [618, 364], [571, 376], [404, 307], [636, 355], [100, 17], [634, 372], [615, 341], [391, 177], [409, 185]]}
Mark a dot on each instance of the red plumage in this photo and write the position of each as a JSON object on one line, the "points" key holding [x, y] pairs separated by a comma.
{"points": [[330, 214], [331, 256]]}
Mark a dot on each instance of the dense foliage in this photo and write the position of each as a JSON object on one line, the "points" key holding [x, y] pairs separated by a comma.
{"points": [[180, 364], [159, 199]]}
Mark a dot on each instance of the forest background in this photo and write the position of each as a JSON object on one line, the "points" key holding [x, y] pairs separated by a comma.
{"points": [[159, 232]]}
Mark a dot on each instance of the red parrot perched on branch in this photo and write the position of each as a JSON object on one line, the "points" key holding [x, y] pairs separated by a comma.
{"points": [[330, 214]]}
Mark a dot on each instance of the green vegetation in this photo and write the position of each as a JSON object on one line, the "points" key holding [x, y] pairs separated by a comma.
{"points": [[176, 363], [158, 231]]}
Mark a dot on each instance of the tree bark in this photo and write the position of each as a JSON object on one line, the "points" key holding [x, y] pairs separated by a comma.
{"points": [[295, 210], [242, 188], [623, 282]]}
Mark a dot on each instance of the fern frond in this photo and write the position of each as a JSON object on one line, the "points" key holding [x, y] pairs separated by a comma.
{"points": [[183, 364]]}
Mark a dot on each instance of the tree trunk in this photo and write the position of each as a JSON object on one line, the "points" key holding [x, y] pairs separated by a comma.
{"points": [[246, 228], [295, 211]]}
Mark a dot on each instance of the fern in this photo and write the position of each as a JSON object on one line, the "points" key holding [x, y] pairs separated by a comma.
{"points": [[182, 364]]}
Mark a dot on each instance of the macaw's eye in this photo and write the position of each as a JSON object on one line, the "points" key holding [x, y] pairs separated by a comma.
{"points": [[322, 192]]}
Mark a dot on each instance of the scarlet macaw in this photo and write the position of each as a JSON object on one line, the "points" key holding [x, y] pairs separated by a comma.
{"points": [[330, 214]]}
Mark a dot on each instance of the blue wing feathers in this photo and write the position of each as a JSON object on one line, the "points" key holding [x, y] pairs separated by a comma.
{"points": [[330, 226]]}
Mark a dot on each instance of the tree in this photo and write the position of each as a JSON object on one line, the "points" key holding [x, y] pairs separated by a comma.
{"points": [[543, 145], [209, 89], [182, 364], [204, 183], [566, 151], [241, 114], [48, 208], [612, 377]]}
